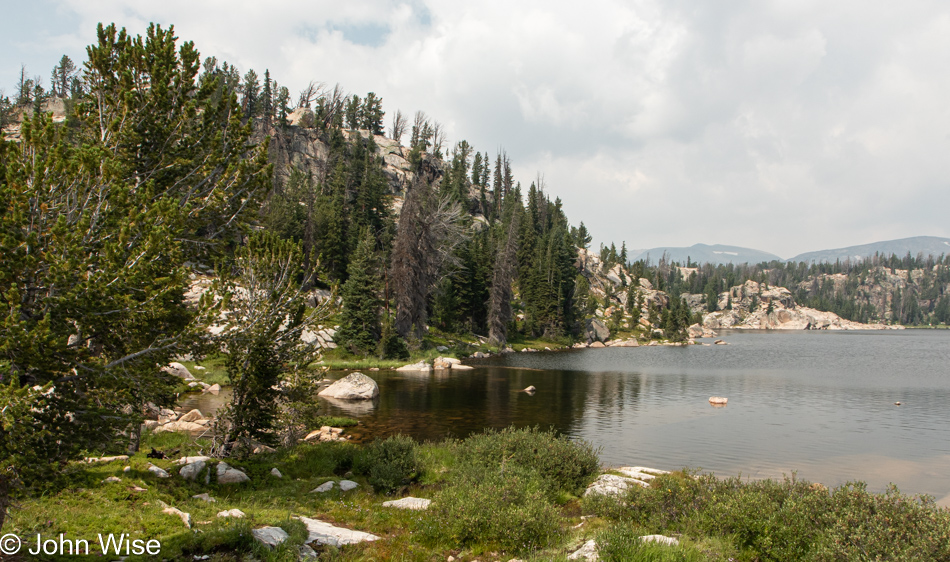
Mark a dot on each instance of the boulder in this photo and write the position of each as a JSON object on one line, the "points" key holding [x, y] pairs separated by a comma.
{"points": [[213, 389], [192, 416], [158, 471], [355, 386], [695, 331], [228, 475], [420, 366], [660, 539], [205, 497], [445, 363], [530, 389], [270, 536], [304, 552], [179, 370], [612, 485], [191, 470], [596, 330], [185, 517], [418, 504], [106, 459], [597, 344], [188, 460], [347, 485], [276, 473], [718, 400], [325, 487], [588, 551], [236, 513], [325, 533], [179, 426]]}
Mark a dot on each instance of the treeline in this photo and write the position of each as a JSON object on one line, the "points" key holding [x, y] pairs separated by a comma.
{"points": [[864, 294]]}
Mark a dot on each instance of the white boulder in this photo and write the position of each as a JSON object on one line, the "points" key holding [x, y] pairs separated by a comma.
{"points": [[355, 386]]}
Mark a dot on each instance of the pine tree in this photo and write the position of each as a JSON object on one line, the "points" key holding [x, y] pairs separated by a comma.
{"points": [[106, 282], [359, 322]]}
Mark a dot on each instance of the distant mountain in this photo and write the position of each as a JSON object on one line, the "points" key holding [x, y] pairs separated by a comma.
{"points": [[705, 253], [928, 245]]}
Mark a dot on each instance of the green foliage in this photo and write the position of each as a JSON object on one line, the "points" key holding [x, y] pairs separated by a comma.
{"points": [[359, 322], [788, 520], [493, 506], [622, 544], [390, 463], [563, 464], [265, 300]]}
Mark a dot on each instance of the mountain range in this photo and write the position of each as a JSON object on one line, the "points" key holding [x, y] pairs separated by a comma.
{"points": [[719, 253]]}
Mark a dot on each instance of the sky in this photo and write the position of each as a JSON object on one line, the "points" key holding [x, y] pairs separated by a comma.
{"points": [[784, 126]]}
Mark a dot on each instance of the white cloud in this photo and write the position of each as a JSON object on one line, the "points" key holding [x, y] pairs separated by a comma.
{"points": [[783, 125]]}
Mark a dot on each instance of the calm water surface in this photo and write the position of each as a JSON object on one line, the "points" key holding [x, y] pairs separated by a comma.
{"points": [[820, 404]]}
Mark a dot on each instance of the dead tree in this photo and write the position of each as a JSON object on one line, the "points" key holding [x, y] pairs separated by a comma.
{"points": [[430, 229]]}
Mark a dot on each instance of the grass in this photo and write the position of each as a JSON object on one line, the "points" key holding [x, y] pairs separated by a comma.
{"points": [[518, 501]]}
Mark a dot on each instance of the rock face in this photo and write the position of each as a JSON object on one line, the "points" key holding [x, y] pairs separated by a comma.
{"points": [[325, 533], [355, 386], [596, 331], [754, 306]]}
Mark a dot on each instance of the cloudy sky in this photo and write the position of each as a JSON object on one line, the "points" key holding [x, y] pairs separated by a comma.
{"points": [[785, 126]]}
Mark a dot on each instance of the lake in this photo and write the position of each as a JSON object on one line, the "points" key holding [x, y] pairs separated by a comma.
{"points": [[819, 404]]}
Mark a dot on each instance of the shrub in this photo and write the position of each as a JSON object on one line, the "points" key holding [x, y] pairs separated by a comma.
{"points": [[495, 507], [623, 544], [561, 463], [389, 463]]}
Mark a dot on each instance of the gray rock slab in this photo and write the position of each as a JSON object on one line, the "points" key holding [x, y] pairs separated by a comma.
{"points": [[158, 471], [236, 513], [270, 536], [410, 502], [325, 487], [276, 473], [325, 533], [612, 485], [347, 485], [204, 497]]}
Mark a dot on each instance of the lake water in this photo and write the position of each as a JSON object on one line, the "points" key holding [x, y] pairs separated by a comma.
{"points": [[820, 404]]}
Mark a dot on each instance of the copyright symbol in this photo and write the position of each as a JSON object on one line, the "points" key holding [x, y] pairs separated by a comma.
{"points": [[9, 544]]}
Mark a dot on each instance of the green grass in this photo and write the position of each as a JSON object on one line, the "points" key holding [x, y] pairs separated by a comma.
{"points": [[497, 509]]}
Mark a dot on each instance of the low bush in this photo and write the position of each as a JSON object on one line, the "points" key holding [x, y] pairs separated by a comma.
{"points": [[623, 544], [787, 520], [563, 464], [494, 508], [389, 463]]}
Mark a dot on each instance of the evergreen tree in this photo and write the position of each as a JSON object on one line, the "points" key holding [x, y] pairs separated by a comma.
{"points": [[359, 322]]}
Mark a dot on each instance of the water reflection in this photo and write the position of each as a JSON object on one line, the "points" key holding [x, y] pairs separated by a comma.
{"points": [[821, 404]]}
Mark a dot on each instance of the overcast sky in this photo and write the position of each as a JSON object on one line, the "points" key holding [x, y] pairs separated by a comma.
{"points": [[785, 126]]}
